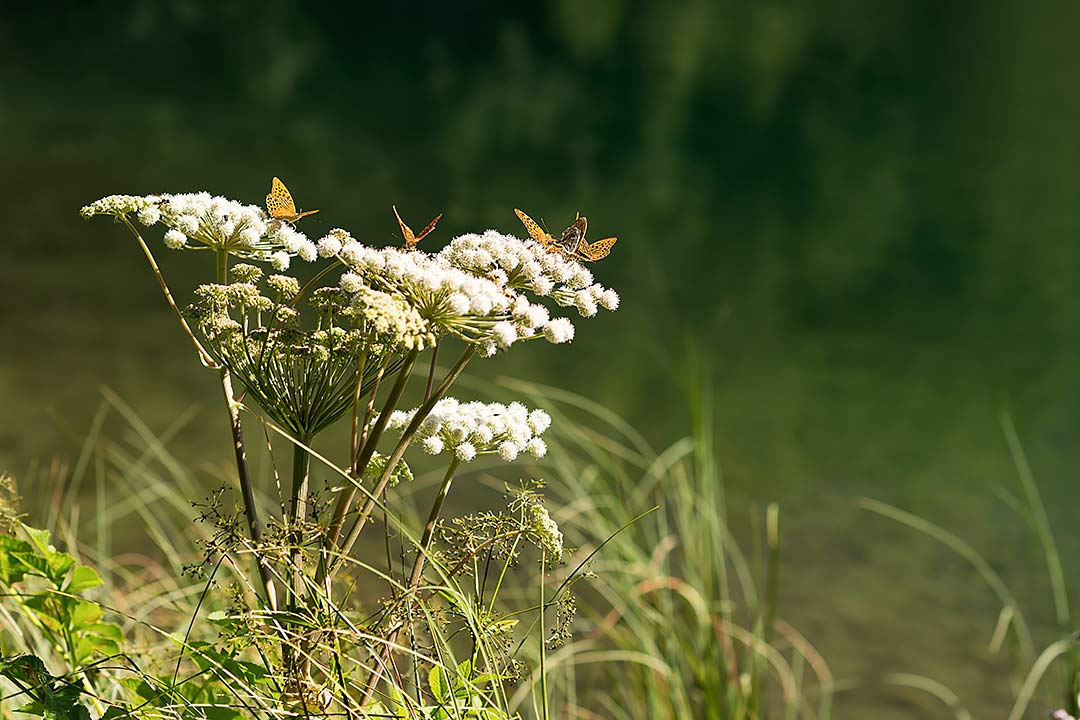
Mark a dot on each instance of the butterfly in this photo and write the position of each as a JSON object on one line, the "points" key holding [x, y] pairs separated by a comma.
{"points": [[571, 242], [412, 239], [280, 205], [569, 238], [589, 252]]}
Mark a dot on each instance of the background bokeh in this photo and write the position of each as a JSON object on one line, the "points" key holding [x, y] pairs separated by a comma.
{"points": [[863, 215]]}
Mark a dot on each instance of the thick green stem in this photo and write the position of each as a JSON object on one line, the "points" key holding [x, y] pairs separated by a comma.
{"points": [[399, 451], [297, 519]]}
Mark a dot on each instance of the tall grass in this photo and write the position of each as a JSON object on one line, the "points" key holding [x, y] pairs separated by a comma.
{"points": [[679, 621], [1013, 632]]}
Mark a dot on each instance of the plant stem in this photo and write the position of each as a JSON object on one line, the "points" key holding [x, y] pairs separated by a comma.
{"points": [[297, 518], [345, 500], [433, 519], [354, 437], [431, 370], [399, 451], [204, 356], [414, 580], [236, 427]]}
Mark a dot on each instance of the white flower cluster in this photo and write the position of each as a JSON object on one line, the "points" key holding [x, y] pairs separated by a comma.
{"points": [[195, 219], [474, 308], [475, 428], [527, 265]]}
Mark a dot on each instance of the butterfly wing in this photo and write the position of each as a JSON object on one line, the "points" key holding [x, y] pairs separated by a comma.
{"points": [[535, 231], [279, 202], [406, 231], [597, 250], [428, 228], [573, 237]]}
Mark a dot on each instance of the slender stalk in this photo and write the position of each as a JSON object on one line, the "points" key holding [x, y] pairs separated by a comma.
{"points": [[354, 437], [414, 580], [236, 427], [431, 370], [369, 412], [345, 500], [204, 356], [246, 491], [399, 451], [433, 519]]}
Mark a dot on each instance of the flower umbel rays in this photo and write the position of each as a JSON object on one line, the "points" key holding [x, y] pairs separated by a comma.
{"points": [[304, 378]]}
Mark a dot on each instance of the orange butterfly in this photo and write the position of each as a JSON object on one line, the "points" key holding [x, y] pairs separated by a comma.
{"points": [[280, 205], [570, 237], [582, 250], [571, 242], [412, 239]]}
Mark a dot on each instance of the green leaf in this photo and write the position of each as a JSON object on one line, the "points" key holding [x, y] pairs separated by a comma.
{"points": [[58, 564], [82, 578], [438, 685], [11, 569], [48, 609], [84, 612], [52, 698]]}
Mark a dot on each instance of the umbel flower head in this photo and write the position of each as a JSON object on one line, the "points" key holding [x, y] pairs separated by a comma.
{"points": [[196, 221], [304, 378], [469, 293], [526, 265], [468, 430]]}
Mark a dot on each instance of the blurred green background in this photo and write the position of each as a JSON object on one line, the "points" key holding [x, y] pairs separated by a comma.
{"points": [[863, 214]]}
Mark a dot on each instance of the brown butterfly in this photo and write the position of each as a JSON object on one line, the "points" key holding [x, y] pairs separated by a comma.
{"points": [[280, 205], [412, 239]]}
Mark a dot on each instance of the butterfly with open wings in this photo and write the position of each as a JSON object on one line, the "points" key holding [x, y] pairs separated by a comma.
{"points": [[572, 241]]}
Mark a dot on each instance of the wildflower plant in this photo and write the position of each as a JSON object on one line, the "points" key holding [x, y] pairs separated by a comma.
{"points": [[343, 347]]}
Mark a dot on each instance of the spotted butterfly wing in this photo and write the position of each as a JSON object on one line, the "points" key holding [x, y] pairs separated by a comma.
{"points": [[280, 205], [535, 231], [595, 251]]}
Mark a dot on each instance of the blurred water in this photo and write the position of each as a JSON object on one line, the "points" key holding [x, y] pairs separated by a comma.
{"points": [[863, 214]]}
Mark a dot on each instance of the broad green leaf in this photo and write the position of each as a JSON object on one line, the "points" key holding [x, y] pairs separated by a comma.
{"points": [[438, 685], [11, 569], [82, 578], [84, 612]]}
